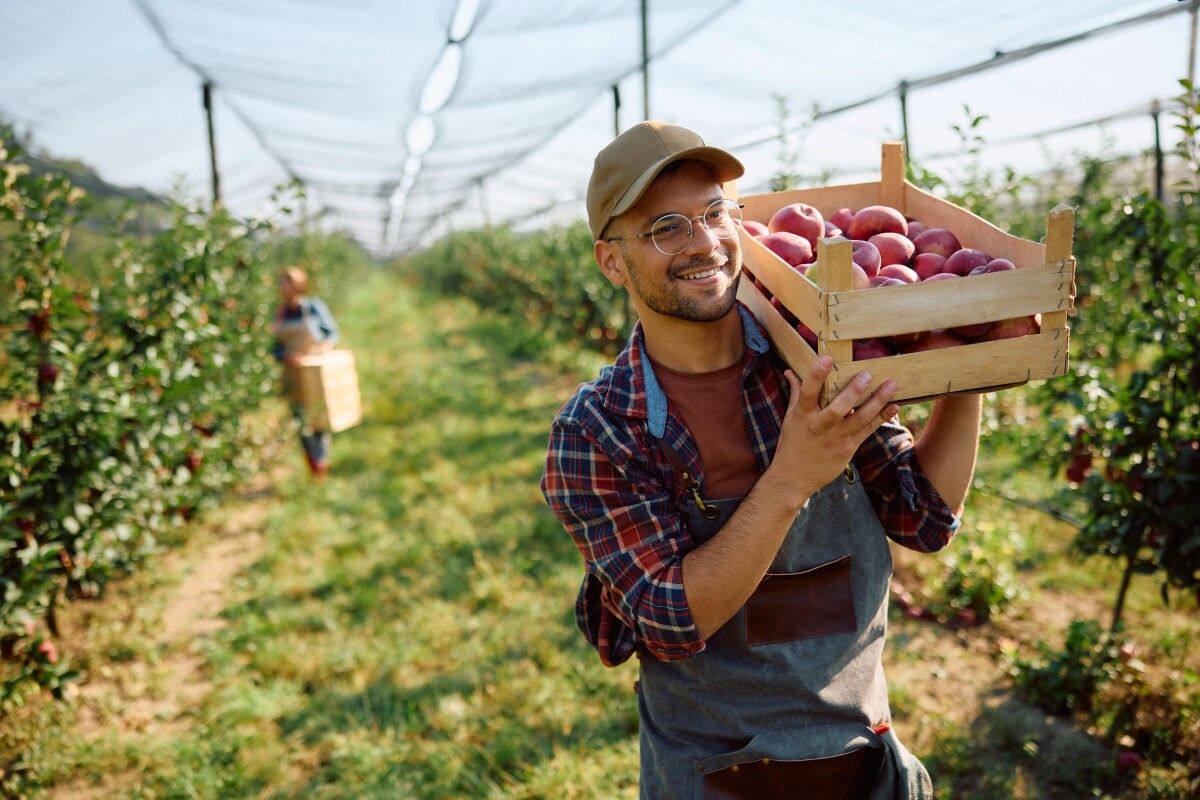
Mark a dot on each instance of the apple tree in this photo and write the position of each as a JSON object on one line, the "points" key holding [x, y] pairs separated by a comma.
{"points": [[1130, 441]]}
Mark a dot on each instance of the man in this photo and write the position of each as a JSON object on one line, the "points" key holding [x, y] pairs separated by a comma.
{"points": [[733, 531]]}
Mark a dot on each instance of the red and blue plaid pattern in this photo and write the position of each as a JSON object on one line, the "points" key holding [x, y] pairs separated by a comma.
{"points": [[617, 496]]}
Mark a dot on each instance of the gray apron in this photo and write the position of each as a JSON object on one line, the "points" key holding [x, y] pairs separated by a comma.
{"points": [[793, 684]]}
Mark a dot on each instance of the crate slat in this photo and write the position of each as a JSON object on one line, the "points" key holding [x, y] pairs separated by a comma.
{"points": [[834, 276], [983, 365], [891, 310], [787, 342], [972, 231], [760, 207], [801, 296], [1060, 236]]}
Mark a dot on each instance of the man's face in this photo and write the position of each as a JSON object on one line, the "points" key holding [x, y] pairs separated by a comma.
{"points": [[698, 284]]}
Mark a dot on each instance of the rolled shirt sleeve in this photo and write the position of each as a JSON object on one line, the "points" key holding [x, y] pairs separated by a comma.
{"points": [[632, 540], [909, 507]]}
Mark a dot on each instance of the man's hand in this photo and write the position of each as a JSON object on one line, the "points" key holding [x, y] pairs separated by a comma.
{"points": [[816, 444], [292, 361]]}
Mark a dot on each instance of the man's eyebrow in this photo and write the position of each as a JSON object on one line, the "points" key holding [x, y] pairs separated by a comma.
{"points": [[660, 214]]}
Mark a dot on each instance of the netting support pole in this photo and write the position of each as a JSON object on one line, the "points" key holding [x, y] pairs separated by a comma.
{"points": [[616, 92], [1192, 55], [212, 143], [483, 206], [903, 92], [1155, 108], [645, 59]]}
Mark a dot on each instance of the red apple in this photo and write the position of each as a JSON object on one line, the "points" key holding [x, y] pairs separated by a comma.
{"points": [[885, 280], [48, 651], [1012, 328], [900, 272], [916, 228], [935, 340], [963, 261], [937, 240], [927, 265], [47, 374], [876, 219], [941, 276], [842, 217], [973, 331], [870, 348], [966, 618], [858, 276], [791, 248], [800, 219], [807, 334], [866, 255], [1129, 761], [894, 248], [755, 228], [906, 341], [832, 230]]}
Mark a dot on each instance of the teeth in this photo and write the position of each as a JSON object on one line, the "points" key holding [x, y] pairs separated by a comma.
{"points": [[697, 276]]}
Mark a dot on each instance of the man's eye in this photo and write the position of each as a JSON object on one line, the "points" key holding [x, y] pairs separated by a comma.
{"points": [[662, 231]]}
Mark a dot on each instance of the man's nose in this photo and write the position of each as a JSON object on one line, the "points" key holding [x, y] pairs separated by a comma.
{"points": [[703, 239]]}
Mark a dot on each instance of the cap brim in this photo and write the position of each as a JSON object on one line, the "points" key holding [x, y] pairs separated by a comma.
{"points": [[727, 168]]}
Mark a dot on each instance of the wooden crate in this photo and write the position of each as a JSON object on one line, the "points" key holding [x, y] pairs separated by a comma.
{"points": [[1044, 282], [328, 388]]}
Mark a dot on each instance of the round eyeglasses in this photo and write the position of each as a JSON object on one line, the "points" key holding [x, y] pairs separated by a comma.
{"points": [[671, 233]]}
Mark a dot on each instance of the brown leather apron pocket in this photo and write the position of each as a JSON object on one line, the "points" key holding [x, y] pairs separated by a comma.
{"points": [[848, 776], [801, 605]]}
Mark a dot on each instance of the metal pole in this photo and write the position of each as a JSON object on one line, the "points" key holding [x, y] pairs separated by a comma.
{"points": [[212, 143], [1192, 55], [645, 60], [483, 203], [1158, 153], [616, 91], [904, 118]]}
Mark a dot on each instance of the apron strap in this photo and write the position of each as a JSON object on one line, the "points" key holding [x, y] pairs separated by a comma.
{"points": [[689, 481]]}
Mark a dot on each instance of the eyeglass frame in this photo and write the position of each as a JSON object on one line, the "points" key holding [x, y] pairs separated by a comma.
{"points": [[691, 230]]}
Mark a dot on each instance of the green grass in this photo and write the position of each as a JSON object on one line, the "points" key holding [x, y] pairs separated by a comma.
{"points": [[408, 630]]}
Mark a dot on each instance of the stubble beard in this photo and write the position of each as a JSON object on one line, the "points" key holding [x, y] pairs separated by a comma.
{"points": [[668, 301]]}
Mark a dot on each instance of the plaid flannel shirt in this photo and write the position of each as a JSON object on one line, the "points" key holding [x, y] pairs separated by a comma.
{"points": [[617, 496]]}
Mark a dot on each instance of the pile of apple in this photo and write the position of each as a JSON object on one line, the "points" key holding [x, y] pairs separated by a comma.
{"points": [[888, 249]]}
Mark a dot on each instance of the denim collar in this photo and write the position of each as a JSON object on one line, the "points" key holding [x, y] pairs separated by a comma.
{"points": [[656, 399]]}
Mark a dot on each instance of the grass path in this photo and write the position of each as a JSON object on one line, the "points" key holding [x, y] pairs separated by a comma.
{"points": [[406, 630], [403, 630]]}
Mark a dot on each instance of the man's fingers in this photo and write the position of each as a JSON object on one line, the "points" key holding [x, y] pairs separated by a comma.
{"points": [[847, 399], [866, 415], [810, 389], [794, 389]]}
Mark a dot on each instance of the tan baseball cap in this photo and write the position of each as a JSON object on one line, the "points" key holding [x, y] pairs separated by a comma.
{"points": [[625, 168]]}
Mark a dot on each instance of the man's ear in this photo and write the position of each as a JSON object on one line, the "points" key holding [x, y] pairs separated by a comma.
{"points": [[610, 262]]}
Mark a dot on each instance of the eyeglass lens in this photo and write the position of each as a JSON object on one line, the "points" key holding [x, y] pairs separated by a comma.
{"points": [[672, 232]]}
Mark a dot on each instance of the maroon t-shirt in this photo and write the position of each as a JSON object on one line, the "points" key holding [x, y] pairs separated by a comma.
{"points": [[710, 404]]}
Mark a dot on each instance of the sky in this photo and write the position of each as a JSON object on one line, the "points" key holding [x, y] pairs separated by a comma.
{"points": [[339, 87]]}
